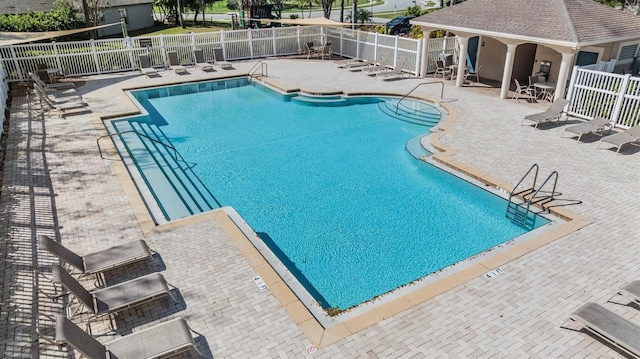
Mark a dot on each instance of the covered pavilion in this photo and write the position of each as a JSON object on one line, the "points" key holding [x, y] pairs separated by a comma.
{"points": [[571, 31]]}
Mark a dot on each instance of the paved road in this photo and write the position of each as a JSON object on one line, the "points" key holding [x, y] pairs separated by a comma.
{"points": [[399, 6]]}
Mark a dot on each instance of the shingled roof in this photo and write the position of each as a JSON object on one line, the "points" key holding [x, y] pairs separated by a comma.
{"points": [[24, 6], [575, 23]]}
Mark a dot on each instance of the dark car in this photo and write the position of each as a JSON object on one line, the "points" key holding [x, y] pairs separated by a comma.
{"points": [[399, 25]]}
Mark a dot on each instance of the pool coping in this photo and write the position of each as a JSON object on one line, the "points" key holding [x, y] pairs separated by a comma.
{"points": [[239, 233]]}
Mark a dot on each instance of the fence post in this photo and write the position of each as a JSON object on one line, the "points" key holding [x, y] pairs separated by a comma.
{"points": [[418, 57], [273, 41], [395, 51], [16, 64], [375, 46], [95, 55], [55, 52], [222, 44], [250, 33], [193, 41], [129, 44], [358, 44], [163, 50], [622, 91], [341, 40]]}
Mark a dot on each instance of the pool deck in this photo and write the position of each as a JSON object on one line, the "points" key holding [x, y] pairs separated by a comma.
{"points": [[55, 183]]}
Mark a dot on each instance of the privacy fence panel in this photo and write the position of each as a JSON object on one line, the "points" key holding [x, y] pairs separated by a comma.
{"points": [[602, 94]]}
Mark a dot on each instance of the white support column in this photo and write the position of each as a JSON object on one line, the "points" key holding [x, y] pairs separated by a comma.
{"points": [[463, 42], [563, 74], [508, 67], [424, 66]]}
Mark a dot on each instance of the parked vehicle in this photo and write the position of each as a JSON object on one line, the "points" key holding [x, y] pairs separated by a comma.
{"points": [[399, 25]]}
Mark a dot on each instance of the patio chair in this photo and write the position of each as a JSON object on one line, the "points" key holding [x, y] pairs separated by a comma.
{"points": [[169, 338], [326, 51], [598, 125], [609, 326], [442, 70], [471, 72], [628, 136], [396, 71], [101, 261], [309, 50], [145, 65], [113, 299], [218, 54], [532, 87], [174, 63], [522, 91], [554, 112], [200, 62]]}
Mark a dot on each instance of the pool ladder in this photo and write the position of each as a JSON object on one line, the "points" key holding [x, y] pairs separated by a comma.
{"points": [[519, 212]]}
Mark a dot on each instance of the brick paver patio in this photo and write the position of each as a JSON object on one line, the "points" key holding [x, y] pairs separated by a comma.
{"points": [[55, 183]]}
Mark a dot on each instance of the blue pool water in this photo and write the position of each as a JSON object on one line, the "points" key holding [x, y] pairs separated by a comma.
{"points": [[331, 190]]}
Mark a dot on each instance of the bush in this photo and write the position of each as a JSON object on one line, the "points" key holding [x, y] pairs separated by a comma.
{"points": [[62, 17]]}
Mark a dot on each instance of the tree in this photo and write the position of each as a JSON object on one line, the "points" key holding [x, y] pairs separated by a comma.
{"points": [[362, 15], [326, 7]]}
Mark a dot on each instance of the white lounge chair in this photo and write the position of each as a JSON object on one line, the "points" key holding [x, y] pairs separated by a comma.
{"points": [[553, 113], [395, 72], [629, 136], [598, 126], [609, 326], [159, 341], [523, 92], [175, 65], [381, 66]]}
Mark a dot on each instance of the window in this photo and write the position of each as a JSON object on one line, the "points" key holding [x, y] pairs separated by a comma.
{"points": [[627, 52]]}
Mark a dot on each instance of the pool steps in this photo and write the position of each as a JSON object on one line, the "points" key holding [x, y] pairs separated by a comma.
{"points": [[173, 180]]}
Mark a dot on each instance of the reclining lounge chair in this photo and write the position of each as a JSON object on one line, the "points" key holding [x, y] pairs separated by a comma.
{"points": [[200, 62], [610, 327], [168, 338], [598, 125], [630, 135], [554, 112], [97, 262], [395, 72], [145, 65], [174, 63], [112, 299], [219, 56]]}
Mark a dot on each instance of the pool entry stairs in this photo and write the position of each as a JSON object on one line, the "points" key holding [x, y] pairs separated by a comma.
{"points": [[521, 212], [415, 112], [169, 177]]}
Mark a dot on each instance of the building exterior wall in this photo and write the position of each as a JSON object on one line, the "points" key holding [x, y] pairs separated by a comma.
{"points": [[492, 56], [138, 17]]}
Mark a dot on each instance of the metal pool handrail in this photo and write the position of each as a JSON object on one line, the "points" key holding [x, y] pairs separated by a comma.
{"points": [[177, 156], [264, 70], [418, 85]]}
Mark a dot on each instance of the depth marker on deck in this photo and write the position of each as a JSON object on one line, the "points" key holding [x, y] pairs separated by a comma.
{"points": [[494, 273], [260, 283]]}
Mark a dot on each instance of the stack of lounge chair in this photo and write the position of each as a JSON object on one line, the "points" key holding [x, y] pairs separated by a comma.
{"points": [[161, 340], [61, 97], [608, 325]]}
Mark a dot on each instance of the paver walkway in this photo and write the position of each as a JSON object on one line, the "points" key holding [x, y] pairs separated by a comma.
{"points": [[55, 183]]}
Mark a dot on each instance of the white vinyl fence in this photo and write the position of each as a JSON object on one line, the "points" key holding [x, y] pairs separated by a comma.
{"points": [[613, 96], [4, 94], [78, 58]]}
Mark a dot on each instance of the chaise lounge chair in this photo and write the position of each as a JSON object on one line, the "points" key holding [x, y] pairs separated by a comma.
{"points": [[631, 291], [630, 135], [69, 107], [159, 341], [174, 63], [395, 72], [145, 65], [598, 125], [356, 65], [111, 299], [381, 66], [554, 112], [218, 54], [97, 262], [610, 327], [200, 62]]}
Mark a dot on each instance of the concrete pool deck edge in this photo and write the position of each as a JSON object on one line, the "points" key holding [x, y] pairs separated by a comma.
{"points": [[315, 332]]}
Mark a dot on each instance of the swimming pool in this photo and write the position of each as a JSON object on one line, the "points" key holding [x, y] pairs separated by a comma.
{"points": [[326, 183]]}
